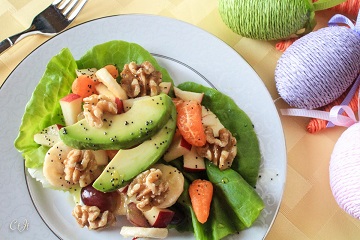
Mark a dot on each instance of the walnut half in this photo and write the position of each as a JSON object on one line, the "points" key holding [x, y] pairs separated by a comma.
{"points": [[91, 217], [221, 151], [140, 80], [148, 189], [80, 167], [94, 108]]}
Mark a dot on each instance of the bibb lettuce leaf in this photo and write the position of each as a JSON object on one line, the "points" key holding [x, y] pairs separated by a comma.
{"points": [[43, 108]]}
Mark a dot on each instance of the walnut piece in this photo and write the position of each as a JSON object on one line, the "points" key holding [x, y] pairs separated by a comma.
{"points": [[148, 189], [91, 217], [140, 80], [221, 151], [80, 167], [94, 108]]}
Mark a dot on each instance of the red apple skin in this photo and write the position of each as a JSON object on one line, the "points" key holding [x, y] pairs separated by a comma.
{"points": [[59, 126], [185, 144], [71, 107], [193, 170], [120, 105], [193, 162], [178, 148], [136, 216], [164, 219], [159, 218], [70, 97]]}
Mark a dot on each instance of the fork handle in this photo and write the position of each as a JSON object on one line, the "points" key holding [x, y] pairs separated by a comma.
{"points": [[8, 42]]}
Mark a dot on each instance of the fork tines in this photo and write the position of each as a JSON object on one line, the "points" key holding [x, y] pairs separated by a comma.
{"points": [[69, 8]]}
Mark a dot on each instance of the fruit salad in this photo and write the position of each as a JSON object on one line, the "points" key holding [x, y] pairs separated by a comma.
{"points": [[114, 130]]}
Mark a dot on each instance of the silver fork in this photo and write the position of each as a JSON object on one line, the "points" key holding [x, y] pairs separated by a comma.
{"points": [[49, 22]]}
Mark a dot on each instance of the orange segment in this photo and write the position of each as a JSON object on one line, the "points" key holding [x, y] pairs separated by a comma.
{"points": [[177, 102], [189, 123]]}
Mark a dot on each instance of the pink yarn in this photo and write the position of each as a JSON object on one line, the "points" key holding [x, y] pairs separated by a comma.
{"points": [[345, 171]]}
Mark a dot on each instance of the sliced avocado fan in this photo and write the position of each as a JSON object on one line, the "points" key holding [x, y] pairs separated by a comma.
{"points": [[121, 131], [128, 163]]}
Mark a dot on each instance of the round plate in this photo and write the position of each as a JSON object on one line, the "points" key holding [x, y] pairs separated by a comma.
{"points": [[190, 54]]}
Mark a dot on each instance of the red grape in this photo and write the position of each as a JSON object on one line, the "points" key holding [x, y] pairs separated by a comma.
{"points": [[104, 201]]}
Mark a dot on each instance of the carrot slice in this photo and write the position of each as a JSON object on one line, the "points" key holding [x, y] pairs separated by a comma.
{"points": [[189, 123], [84, 86], [201, 192], [112, 69]]}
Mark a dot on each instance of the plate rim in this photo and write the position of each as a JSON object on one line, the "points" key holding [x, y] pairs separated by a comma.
{"points": [[183, 22]]}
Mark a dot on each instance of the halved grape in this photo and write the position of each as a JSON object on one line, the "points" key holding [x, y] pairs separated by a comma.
{"points": [[104, 201]]}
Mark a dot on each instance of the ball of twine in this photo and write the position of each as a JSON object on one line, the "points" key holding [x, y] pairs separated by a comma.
{"points": [[265, 19], [319, 67], [345, 171]]}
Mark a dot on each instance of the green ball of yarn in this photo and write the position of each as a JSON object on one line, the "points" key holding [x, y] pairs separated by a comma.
{"points": [[270, 19]]}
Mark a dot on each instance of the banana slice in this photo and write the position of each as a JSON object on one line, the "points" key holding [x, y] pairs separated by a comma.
{"points": [[53, 167], [176, 184]]}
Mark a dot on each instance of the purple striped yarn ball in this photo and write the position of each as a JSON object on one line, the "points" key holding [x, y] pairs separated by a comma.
{"points": [[318, 68], [344, 171]]}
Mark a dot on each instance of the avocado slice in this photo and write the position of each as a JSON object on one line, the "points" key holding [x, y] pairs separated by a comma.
{"points": [[128, 163], [146, 117]]}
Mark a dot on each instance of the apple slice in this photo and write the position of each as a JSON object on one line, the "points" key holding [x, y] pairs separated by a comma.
{"points": [[101, 89], [87, 71], [128, 103], [119, 105], [159, 217], [178, 147], [211, 120], [143, 232], [187, 96], [48, 136], [165, 87], [193, 162], [71, 107], [136, 216], [101, 157], [107, 79]]}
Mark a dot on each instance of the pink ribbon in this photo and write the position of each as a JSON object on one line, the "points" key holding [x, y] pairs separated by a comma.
{"points": [[341, 19], [334, 117], [338, 119]]}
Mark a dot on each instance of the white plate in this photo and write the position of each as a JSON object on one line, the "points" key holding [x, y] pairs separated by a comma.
{"points": [[30, 212]]}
